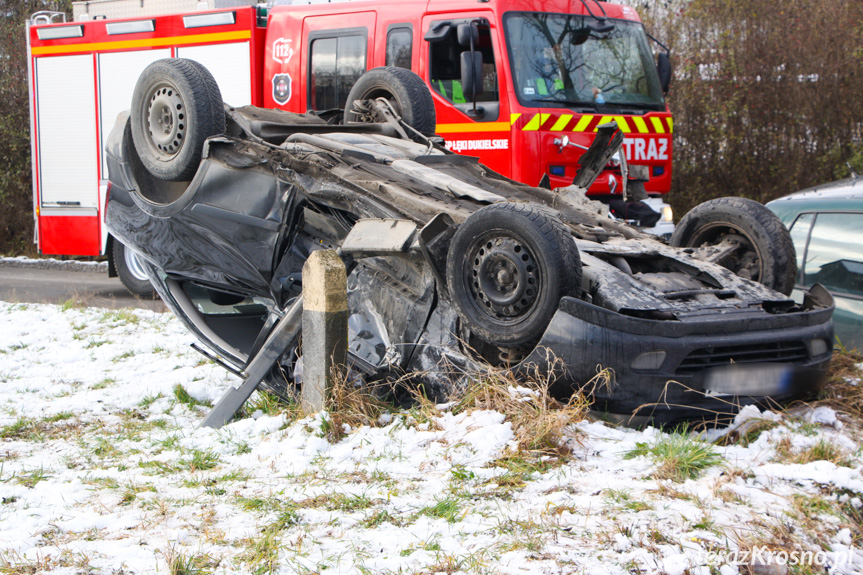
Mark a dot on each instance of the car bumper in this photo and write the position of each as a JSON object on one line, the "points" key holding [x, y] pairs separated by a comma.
{"points": [[671, 370]]}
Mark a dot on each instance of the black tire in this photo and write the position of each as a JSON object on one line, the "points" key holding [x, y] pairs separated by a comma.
{"points": [[507, 268], [175, 107], [406, 91], [217, 105], [766, 253], [130, 270]]}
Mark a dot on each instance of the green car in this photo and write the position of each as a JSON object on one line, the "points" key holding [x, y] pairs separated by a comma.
{"points": [[826, 224]]}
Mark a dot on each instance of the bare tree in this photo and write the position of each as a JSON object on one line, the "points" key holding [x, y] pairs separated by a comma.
{"points": [[766, 95], [16, 213]]}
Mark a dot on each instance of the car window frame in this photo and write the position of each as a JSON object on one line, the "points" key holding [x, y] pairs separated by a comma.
{"points": [[801, 276]]}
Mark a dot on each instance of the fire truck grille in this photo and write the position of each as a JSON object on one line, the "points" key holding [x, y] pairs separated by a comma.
{"points": [[707, 357]]}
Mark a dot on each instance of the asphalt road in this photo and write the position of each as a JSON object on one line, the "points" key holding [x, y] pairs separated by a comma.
{"points": [[31, 284]]}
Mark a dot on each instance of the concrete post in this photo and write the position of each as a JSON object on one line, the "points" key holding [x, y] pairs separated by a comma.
{"points": [[325, 325]]}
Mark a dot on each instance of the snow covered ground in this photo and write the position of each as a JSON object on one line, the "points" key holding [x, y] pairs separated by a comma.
{"points": [[53, 263], [103, 469]]}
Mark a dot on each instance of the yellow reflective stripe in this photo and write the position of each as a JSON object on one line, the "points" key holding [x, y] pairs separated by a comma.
{"points": [[473, 127], [582, 124], [622, 124], [561, 122], [641, 125], [532, 125], [144, 43], [670, 125], [535, 122], [626, 125], [604, 120]]}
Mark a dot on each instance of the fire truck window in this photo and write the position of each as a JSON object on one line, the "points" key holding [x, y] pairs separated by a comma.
{"points": [[399, 42], [445, 67], [566, 61], [336, 64], [833, 255]]}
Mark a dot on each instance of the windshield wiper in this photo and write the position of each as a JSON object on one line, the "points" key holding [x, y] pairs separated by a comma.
{"points": [[635, 105], [567, 102]]}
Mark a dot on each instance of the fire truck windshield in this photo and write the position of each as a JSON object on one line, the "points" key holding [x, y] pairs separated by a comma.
{"points": [[566, 60]]}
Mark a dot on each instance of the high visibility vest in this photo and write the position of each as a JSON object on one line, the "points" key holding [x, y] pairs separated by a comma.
{"points": [[542, 86], [457, 96]]}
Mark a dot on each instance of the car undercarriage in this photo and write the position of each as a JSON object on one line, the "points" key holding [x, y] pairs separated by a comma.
{"points": [[462, 270]]}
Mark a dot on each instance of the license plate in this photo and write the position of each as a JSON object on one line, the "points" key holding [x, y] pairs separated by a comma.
{"points": [[756, 379]]}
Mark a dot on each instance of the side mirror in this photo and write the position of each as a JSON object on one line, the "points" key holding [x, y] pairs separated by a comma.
{"points": [[663, 68], [467, 35], [471, 74], [579, 36]]}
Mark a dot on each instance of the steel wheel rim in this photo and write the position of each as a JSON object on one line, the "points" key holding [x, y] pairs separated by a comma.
{"points": [[503, 274], [166, 124], [135, 265]]}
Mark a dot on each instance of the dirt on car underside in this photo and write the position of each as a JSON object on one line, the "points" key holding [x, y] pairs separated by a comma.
{"points": [[380, 175]]}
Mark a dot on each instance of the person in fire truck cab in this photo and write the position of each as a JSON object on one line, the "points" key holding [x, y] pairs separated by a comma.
{"points": [[451, 90], [549, 81]]}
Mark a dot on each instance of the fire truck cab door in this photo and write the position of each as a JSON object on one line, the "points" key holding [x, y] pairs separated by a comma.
{"points": [[484, 133]]}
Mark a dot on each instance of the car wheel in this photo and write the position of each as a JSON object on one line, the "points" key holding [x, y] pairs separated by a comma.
{"points": [[408, 94], [175, 107], [130, 270], [763, 250], [507, 268]]}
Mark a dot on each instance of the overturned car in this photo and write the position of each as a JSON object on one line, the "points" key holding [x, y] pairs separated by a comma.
{"points": [[225, 205]]}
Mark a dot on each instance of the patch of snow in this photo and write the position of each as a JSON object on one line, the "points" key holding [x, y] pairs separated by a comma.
{"points": [[98, 466], [824, 416], [815, 472]]}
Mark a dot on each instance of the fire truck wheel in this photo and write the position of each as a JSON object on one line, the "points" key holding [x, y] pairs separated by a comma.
{"points": [[175, 107], [130, 269], [757, 244], [406, 91], [507, 268]]}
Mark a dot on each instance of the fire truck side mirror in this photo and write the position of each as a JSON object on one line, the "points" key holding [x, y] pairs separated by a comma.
{"points": [[663, 68], [471, 74], [468, 35]]}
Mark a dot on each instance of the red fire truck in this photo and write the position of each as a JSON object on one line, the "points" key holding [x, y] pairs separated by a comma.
{"points": [[552, 71]]}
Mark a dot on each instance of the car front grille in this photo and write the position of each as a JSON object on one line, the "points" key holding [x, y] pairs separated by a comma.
{"points": [[707, 357]]}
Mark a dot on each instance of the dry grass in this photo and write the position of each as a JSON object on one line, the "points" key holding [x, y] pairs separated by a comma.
{"points": [[822, 450], [352, 403], [539, 421], [747, 433], [841, 392]]}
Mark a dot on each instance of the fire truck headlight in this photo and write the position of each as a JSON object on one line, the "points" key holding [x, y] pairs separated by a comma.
{"points": [[667, 214]]}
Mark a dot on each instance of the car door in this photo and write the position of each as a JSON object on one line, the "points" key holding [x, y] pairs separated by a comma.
{"points": [[828, 252]]}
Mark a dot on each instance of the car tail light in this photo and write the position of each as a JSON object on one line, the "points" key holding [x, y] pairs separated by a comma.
{"points": [[107, 194]]}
